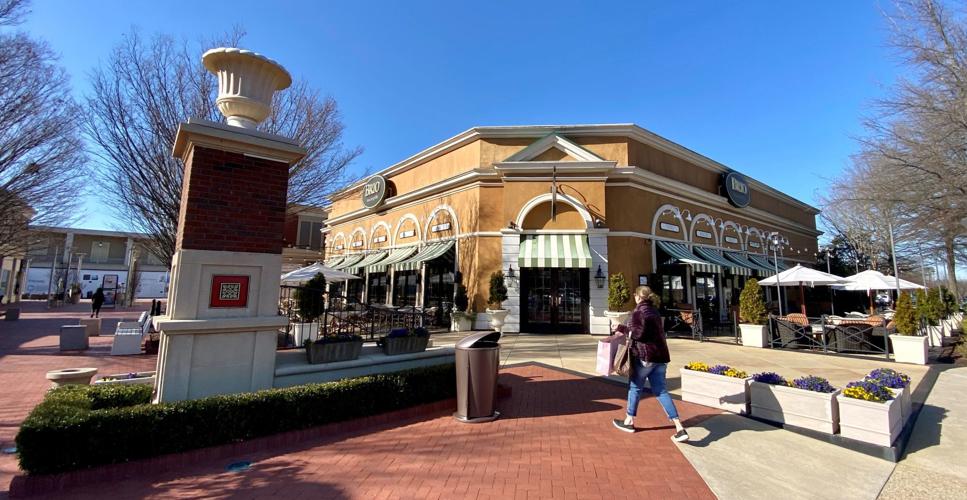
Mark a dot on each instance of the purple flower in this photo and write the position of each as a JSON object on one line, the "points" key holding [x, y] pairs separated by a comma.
{"points": [[813, 383], [889, 377], [718, 369], [769, 378]]}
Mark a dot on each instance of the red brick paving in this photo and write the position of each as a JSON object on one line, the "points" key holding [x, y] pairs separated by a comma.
{"points": [[554, 440], [29, 349]]}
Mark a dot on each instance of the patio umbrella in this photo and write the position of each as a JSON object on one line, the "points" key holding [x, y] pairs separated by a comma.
{"points": [[801, 276], [870, 280], [306, 273]]}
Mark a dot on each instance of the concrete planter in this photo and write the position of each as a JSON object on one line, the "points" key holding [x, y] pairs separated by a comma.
{"points": [[617, 318], [909, 349], [754, 335], [331, 352], [904, 396], [70, 376], [461, 322], [12, 314], [302, 332], [393, 346], [868, 421], [145, 378], [949, 325], [816, 411], [717, 391], [935, 335], [497, 317], [73, 338], [93, 326], [246, 82]]}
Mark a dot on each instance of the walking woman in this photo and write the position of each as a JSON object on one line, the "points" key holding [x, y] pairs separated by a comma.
{"points": [[649, 361], [97, 300]]}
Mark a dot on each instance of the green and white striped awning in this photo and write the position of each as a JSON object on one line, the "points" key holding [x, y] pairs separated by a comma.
{"points": [[333, 262], [717, 258], [764, 263], [428, 253], [396, 255], [349, 260], [680, 253], [739, 258], [367, 261], [554, 250], [782, 264]]}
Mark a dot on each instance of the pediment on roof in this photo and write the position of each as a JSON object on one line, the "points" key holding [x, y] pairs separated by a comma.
{"points": [[554, 147]]}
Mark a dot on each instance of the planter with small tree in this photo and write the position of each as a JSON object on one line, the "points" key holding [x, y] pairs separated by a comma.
{"points": [[498, 294], [949, 319], [618, 296], [932, 312], [752, 315], [461, 320], [908, 347], [311, 303]]}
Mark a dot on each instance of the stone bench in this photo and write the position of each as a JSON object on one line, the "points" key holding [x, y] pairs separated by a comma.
{"points": [[73, 338]]}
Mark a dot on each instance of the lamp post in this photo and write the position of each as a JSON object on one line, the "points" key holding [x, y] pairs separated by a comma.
{"points": [[896, 272], [832, 293], [775, 261]]}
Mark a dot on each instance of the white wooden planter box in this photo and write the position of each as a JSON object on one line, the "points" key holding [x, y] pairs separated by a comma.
{"points": [[909, 349], [801, 408], [304, 331], [753, 335], [718, 391], [120, 379], [904, 396], [876, 423]]}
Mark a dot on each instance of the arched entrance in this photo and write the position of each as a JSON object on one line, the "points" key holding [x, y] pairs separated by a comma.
{"points": [[554, 262]]}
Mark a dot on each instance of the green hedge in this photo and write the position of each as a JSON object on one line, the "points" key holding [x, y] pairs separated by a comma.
{"points": [[77, 427]]}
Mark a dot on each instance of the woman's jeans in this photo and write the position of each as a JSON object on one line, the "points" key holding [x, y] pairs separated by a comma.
{"points": [[655, 374]]}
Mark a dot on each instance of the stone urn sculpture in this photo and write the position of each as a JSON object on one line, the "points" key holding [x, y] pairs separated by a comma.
{"points": [[246, 82]]}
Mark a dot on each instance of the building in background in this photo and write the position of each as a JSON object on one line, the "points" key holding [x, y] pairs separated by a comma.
{"points": [[304, 241]]}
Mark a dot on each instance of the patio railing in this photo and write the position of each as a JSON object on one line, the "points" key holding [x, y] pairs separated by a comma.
{"points": [[844, 336], [684, 322]]}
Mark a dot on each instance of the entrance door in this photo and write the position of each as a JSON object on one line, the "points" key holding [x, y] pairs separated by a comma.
{"points": [[554, 300]]}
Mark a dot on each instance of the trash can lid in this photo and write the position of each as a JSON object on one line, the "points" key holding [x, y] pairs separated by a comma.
{"points": [[470, 340]]}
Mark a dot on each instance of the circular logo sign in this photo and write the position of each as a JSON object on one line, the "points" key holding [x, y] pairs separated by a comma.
{"points": [[737, 189], [374, 191]]}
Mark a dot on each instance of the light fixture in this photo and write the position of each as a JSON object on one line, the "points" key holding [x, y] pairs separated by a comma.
{"points": [[598, 223], [512, 225], [599, 277], [510, 272]]}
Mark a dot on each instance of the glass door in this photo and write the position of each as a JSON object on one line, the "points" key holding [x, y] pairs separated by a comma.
{"points": [[554, 300]]}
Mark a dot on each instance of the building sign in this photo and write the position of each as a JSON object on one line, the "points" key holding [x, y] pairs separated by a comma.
{"points": [[339, 247], [703, 234], [753, 244], [374, 191], [731, 239], [379, 239], [357, 244], [737, 189], [671, 228], [436, 228], [407, 234], [229, 291]]}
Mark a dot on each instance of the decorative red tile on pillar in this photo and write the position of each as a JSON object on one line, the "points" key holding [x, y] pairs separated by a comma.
{"points": [[232, 202]]}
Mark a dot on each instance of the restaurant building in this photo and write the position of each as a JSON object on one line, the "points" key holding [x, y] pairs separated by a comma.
{"points": [[558, 209]]}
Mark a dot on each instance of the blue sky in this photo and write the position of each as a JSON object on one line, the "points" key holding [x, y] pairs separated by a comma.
{"points": [[775, 90]]}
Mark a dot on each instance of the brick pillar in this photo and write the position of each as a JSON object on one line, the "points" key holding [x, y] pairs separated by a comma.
{"points": [[219, 334]]}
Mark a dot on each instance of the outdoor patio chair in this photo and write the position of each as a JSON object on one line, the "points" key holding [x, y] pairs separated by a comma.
{"points": [[789, 335], [797, 318], [854, 336]]}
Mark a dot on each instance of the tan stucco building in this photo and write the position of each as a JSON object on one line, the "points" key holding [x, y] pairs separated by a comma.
{"points": [[626, 200]]}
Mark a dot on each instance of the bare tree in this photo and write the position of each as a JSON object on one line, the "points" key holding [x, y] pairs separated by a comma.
{"points": [[41, 154], [147, 88]]}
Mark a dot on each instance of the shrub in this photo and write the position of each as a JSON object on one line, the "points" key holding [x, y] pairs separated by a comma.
{"points": [[77, 427], [618, 292], [752, 308], [310, 298], [920, 304], [867, 390], [813, 383], [933, 307], [771, 378], [460, 300], [949, 301], [498, 290], [905, 315], [888, 377]]}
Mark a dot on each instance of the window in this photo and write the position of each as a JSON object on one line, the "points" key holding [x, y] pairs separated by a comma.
{"points": [[310, 234], [377, 288]]}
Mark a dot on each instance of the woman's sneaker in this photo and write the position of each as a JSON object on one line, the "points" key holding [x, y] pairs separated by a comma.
{"points": [[622, 426], [680, 436]]}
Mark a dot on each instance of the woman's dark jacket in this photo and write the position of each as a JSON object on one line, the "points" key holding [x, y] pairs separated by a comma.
{"points": [[645, 327], [98, 298]]}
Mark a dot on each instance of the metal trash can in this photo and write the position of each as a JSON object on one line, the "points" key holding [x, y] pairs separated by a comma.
{"points": [[478, 360]]}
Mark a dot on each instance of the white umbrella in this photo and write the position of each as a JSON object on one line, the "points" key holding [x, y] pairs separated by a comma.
{"points": [[799, 275], [307, 273], [870, 280]]}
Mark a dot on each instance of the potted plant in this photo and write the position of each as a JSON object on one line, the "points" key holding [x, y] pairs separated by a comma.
{"points": [[908, 347], [618, 296], [949, 308], [806, 402], [460, 319], [75, 294], [311, 303], [752, 315], [899, 385], [869, 413], [332, 348], [718, 386], [404, 341], [498, 294]]}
